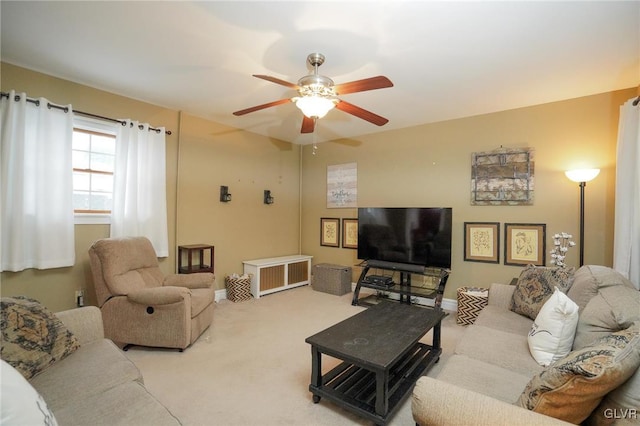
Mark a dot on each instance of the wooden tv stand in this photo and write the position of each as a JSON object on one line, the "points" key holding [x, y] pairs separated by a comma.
{"points": [[403, 287]]}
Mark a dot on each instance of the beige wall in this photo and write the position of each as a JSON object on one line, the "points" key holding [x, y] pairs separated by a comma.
{"points": [[201, 156], [430, 166], [245, 228], [421, 166]]}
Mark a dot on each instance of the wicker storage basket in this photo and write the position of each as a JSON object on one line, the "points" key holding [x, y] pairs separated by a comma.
{"points": [[471, 300], [332, 279], [238, 288]]}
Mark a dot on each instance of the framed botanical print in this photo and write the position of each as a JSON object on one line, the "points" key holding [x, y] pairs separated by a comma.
{"points": [[350, 233], [524, 244], [482, 242], [330, 232]]}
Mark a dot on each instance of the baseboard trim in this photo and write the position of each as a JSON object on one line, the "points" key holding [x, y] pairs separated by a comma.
{"points": [[221, 294]]}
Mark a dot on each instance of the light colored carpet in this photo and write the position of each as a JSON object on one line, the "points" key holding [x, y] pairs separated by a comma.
{"points": [[253, 367]]}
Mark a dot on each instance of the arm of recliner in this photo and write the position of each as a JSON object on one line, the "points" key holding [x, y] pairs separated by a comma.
{"points": [[435, 402], [158, 295], [198, 280]]}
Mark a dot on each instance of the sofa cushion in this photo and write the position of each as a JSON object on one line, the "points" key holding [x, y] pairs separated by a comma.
{"points": [[33, 337], [482, 377], [504, 320], [500, 348], [552, 333], [614, 308], [589, 278], [91, 370], [20, 403], [124, 405], [535, 285], [571, 388]]}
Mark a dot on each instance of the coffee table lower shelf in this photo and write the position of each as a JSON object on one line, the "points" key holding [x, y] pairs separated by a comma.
{"points": [[355, 388]]}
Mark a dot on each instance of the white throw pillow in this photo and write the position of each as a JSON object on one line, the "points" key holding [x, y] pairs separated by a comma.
{"points": [[552, 333], [21, 404]]}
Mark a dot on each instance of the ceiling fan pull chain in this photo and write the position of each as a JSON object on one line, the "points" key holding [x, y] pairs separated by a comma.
{"points": [[315, 147]]}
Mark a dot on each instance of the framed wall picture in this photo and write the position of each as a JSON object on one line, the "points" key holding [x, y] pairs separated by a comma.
{"points": [[482, 242], [503, 177], [524, 244], [330, 232], [342, 186], [350, 233]]}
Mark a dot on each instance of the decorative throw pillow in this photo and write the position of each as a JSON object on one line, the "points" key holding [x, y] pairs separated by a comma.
{"points": [[552, 333], [21, 404], [33, 338], [572, 387], [535, 285], [619, 406]]}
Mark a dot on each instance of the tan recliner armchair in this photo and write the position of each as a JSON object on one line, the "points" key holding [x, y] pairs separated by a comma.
{"points": [[140, 306]]}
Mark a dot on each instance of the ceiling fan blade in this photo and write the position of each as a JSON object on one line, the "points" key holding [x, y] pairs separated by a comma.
{"points": [[263, 106], [361, 113], [308, 124], [277, 81], [379, 82]]}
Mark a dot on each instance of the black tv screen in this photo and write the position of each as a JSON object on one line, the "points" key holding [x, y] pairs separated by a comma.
{"points": [[415, 236]]}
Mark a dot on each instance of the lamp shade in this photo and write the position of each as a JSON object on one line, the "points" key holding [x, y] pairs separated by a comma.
{"points": [[582, 175], [315, 106]]}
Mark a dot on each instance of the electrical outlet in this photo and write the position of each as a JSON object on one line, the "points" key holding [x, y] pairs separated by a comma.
{"points": [[79, 298]]}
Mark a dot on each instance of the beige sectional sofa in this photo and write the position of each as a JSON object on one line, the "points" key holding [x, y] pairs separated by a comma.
{"points": [[94, 384], [484, 381]]}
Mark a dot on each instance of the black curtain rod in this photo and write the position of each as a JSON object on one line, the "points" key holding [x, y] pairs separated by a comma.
{"points": [[87, 114]]}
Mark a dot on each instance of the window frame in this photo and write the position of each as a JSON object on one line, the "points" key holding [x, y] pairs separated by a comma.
{"points": [[88, 124]]}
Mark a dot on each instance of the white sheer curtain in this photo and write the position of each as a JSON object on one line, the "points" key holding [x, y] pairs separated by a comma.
{"points": [[36, 202], [626, 247], [139, 194]]}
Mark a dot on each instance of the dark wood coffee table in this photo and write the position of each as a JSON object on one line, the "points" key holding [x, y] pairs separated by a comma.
{"points": [[382, 358]]}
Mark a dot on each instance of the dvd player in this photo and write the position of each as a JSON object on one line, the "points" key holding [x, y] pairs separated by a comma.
{"points": [[380, 280]]}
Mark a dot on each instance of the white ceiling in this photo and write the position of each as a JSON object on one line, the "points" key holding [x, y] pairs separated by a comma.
{"points": [[446, 59]]}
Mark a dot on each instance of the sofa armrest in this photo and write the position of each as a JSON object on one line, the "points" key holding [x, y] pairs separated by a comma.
{"points": [[500, 295], [435, 402], [85, 323], [198, 280], [159, 295]]}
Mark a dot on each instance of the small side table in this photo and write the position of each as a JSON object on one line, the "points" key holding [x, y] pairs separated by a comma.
{"points": [[201, 266]]}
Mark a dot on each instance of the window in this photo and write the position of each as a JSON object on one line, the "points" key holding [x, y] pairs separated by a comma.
{"points": [[93, 165]]}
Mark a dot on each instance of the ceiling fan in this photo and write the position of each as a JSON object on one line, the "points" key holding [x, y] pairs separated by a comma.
{"points": [[318, 95]]}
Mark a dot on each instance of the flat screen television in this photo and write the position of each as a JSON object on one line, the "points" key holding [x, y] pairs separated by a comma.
{"points": [[419, 236]]}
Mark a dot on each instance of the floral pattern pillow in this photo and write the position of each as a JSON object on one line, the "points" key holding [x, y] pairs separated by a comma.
{"points": [[535, 285], [572, 387], [33, 338]]}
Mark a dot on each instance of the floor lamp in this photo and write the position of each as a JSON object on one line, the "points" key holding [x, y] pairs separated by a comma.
{"points": [[582, 176]]}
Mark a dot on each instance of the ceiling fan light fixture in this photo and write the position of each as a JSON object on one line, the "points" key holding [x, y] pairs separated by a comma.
{"points": [[315, 106]]}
